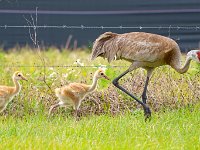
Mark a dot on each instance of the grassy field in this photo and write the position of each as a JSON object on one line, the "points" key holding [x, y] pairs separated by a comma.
{"points": [[117, 124], [177, 129]]}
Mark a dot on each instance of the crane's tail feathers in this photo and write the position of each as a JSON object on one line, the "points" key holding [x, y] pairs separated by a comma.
{"points": [[97, 49]]}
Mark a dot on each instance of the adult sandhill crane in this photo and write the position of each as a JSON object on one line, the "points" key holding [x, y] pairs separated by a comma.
{"points": [[7, 92], [74, 93], [144, 50]]}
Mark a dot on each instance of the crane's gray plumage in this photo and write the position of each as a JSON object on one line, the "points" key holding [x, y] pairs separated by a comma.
{"points": [[144, 50], [137, 46], [105, 45]]}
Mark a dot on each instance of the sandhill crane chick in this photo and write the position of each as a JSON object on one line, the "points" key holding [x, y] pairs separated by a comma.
{"points": [[74, 93], [7, 92]]}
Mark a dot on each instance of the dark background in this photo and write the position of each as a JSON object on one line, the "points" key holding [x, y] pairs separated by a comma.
{"points": [[145, 13]]}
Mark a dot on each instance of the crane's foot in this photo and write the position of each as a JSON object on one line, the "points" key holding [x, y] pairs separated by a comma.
{"points": [[147, 113]]}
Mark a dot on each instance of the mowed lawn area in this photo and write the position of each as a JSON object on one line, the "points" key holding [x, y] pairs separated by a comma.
{"points": [[117, 124]]}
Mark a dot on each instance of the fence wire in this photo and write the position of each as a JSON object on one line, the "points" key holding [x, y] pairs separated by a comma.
{"points": [[61, 66], [101, 27], [32, 25]]}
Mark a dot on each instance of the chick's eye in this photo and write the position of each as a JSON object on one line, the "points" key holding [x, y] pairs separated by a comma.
{"points": [[102, 73], [19, 75]]}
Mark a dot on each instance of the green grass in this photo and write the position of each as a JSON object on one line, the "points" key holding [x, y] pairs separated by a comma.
{"points": [[173, 98], [170, 130]]}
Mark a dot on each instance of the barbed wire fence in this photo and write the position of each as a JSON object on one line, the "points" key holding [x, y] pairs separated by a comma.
{"points": [[32, 26], [102, 27]]}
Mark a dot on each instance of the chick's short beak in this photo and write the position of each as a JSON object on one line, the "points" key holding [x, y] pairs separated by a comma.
{"points": [[106, 77], [23, 78]]}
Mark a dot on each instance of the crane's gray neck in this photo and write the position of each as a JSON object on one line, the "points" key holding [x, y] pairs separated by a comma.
{"points": [[185, 67]]}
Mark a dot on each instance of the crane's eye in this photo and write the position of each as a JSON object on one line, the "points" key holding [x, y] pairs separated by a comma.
{"points": [[102, 73], [19, 75]]}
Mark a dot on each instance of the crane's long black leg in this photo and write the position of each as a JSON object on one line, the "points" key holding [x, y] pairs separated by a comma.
{"points": [[144, 93], [147, 111]]}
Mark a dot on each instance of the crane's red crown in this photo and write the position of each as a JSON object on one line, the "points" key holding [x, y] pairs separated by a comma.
{"points": [[198, 55]]}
